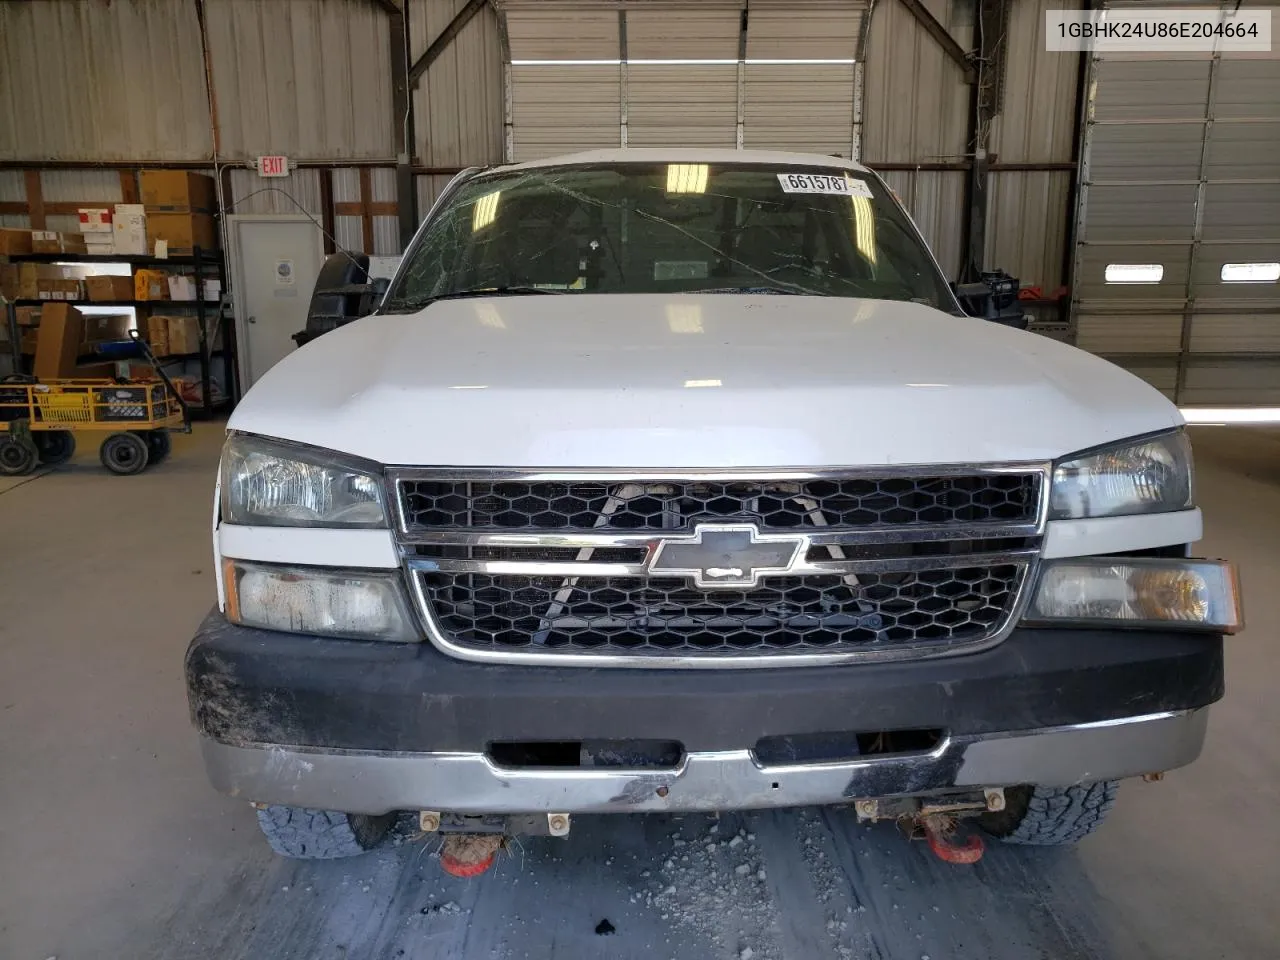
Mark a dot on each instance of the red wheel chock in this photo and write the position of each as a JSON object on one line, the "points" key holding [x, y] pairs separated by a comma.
{"points": [[940, 842]]}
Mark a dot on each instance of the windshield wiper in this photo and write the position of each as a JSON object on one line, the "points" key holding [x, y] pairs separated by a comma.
{"points": [[512, 291], [781, 291]]}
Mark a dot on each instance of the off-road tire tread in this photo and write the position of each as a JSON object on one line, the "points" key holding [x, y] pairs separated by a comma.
{"points": [[1053, 816], [304, 834]]}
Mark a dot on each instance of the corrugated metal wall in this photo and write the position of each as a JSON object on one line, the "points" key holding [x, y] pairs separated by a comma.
{"points": [[306, 78], [125, 80], [916, 110], [458, 103], [87, 80]]}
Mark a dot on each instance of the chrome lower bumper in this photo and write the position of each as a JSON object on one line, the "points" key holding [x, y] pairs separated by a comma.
{"points": [[372, 782]]}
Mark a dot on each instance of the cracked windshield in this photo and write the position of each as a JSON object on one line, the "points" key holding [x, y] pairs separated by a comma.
{"points": [[671, 228]]}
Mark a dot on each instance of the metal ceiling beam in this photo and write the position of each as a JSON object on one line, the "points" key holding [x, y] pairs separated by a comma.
{"points": [[441, 43], [390, 6], [943, 37]]}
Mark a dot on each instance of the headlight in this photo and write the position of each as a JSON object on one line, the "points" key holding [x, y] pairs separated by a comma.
{"points": [[277, 484], [1144, 476], [1138, 591], [361, 604]]}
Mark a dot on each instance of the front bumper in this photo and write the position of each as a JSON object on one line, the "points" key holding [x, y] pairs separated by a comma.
{"points": [[370, 727]]}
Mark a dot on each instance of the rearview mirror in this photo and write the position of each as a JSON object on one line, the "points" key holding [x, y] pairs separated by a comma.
{"points": [[994, 298]]}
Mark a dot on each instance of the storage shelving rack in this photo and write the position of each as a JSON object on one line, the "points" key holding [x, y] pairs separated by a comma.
{"points": [[206, 265]]}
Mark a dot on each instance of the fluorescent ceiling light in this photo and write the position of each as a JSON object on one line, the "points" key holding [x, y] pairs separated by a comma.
{"points": [[686, 178], [565, 63], [702, 383], [1134, 272], [1224, 415], [864, 223], [485, 211], [470, 386], [1250, 272], [691, 62]]}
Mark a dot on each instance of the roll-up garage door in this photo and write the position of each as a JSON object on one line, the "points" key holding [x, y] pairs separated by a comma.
{"points": [[800, 76], [586, 74], [565, 81], [1178, 252]]}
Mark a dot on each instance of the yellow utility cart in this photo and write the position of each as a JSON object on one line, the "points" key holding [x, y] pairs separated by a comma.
{"points": [[39, 421]]}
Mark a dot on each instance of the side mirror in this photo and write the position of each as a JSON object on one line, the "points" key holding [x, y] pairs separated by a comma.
{"points": [[343, 293], [994, 298]]}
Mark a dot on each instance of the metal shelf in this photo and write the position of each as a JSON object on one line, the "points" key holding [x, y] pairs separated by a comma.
{"points": [[118, 303], [206, 256]]}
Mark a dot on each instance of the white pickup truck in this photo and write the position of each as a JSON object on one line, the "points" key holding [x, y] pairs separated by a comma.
{"points": [[670, 481]]}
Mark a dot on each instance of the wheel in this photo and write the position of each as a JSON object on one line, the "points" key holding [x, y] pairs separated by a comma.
{"points": [[1051, 816], [305, 834], [17, 455], [159, 444], [55, 446], [124, 453]]}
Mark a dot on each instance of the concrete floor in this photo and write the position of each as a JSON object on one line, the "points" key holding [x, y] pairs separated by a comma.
{"points": [[113, 846]]}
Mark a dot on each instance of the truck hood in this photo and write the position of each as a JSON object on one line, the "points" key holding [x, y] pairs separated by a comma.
{"points": [[694, 381]]}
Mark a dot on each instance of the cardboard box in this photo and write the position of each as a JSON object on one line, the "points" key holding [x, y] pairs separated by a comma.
{"points": [[101, 248], [150, 285], [62, 288], [129, 229], [9, 281], [14, 242], [182, 231], [107, 326], [33, 276], [158, 335], [184, 335], [30, 335], [181, 287], [103, 289], [28, 316], [177, 190], [61, 332], [95, 220], [45, 241]]}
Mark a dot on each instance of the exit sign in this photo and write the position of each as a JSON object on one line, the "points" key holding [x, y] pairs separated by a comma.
{"points": [[273, 166]]}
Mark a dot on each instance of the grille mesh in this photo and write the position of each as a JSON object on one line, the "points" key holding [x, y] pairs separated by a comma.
{"points": [[679, 505], [662, 615]]}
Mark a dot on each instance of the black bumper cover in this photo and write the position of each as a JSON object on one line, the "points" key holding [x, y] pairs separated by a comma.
{"points": [[256, 686]]}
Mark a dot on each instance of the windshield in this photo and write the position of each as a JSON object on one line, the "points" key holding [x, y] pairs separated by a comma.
{"points": [[670, 228]]}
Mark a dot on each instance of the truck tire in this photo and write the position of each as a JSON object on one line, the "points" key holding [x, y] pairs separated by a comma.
{"points": [[1051, 816], [304, 834]]}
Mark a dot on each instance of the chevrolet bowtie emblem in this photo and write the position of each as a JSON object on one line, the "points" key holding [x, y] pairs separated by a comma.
{"points": [[726, 554]]}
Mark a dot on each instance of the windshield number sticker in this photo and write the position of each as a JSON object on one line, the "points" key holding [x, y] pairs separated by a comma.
{"points": [[840, 186]]}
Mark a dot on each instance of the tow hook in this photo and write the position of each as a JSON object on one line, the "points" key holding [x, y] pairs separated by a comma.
{"points": [[939, 830], [469, 854]]}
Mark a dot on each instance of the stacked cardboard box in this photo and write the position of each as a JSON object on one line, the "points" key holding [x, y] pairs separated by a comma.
{"points": [[158, 335], [129, 230], [104, 289], [14, 242], [99, 234], [183, 334], [50, 241], [179, 207]]}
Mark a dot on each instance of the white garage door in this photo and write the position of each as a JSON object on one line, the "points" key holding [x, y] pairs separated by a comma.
{"points": [[586, 74], [1179, 234]]}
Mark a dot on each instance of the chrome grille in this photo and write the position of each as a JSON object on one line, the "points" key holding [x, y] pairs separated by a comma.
{"points": [[554, 567], [678, 505], [665, 615]]}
